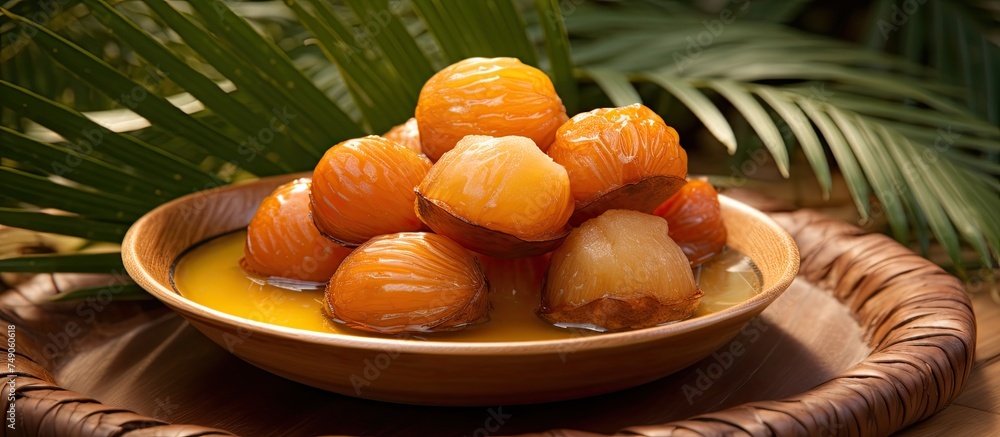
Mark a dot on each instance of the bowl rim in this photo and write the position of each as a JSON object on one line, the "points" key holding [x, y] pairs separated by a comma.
{"points": [[167, 295]]}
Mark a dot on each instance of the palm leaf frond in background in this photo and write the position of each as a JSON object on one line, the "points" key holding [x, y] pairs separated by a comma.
{"points": [[959, 39], [269, 95]]}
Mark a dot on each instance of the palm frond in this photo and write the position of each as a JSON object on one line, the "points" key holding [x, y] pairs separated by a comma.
{"points": [[207, 92], [847, 162], [957, 43], [45, 192], [485, 28], [272, 93], [65, 162], [74, 263], [803, 131], [758, 119], [63, 224], [700, 105], [238, 35], [371, 82], [170, 173], [557, 44], [138, 98], [615, 84]]}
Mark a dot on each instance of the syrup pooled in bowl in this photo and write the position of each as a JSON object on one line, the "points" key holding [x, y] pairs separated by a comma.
{"points": [[209, 274]]}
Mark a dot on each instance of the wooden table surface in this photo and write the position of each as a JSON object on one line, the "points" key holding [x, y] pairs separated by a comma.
{"points": [[976, 412]]}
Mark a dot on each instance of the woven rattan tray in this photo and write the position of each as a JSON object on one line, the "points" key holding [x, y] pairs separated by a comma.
{"points": [[869, 339]]}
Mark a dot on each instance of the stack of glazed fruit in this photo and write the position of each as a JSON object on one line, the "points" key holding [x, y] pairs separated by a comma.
{"points": [[491, 166]]}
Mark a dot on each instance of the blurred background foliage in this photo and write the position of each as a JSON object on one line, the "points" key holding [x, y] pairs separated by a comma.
{"points": [[892, 106]]}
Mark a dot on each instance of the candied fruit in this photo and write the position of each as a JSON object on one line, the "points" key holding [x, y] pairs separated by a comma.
{"points": [[498, 186], [695, 218], [619, 271], [282, 241], [487, 96], [619, 158], [409, 282], [363, 188]]}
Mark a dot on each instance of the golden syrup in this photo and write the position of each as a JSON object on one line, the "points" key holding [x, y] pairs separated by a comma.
{"points": [[209, 274]]}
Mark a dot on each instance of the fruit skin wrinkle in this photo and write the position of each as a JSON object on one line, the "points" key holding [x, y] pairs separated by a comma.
{"points": [[282, 241], [409, 282], [364, 188], [504, 184], [609, 147]]}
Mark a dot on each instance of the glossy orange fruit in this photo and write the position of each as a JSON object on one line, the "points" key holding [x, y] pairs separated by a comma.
{"points": [[406, 134], [487, 96], [409, 282], [503, 184], [695, 218], [363, 188], [619, 271], [607, 148], [282, 241]]}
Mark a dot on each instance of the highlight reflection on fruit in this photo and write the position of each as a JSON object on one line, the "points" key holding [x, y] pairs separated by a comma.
{"points": [[695, 218], [282, 241], [619, 158], [501, 197], [363, 188], [409, 282], [619, 271], [487, 96], [406, 134]]}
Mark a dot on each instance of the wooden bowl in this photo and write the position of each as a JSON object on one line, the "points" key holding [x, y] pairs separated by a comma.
{"points": [[440, 373]]}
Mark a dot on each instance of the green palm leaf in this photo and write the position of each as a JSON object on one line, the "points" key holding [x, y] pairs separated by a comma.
{"points": [[137, 97], [370, 85], [867, 150], [559, 52], [170, 173], [44, 192], [270, 94], [107, 263], [856, 182], [241, 116], [62, 224], [700, 105], [758, 119], [399, 50], [487, 28], [72, 164], [616, 85], [803, 130], [238, 35]]}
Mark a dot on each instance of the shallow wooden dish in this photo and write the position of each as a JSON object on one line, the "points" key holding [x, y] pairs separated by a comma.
{"points": [[440, 373]]}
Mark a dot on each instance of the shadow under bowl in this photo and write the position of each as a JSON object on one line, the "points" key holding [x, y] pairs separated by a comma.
{"points": [[446, 373]]}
